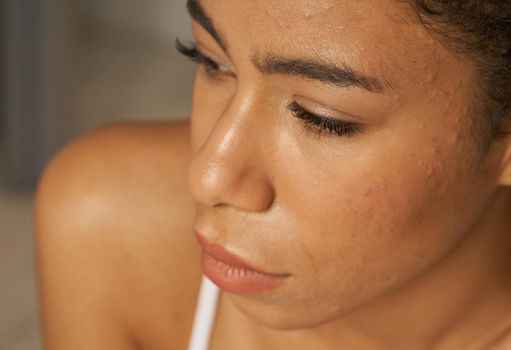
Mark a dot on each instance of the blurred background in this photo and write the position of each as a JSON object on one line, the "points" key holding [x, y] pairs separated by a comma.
{"points": [[66, 67]]}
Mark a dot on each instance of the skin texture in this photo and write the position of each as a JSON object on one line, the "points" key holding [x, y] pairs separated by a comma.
{"points": [[113, 221], [396, 237], [365, 224]]}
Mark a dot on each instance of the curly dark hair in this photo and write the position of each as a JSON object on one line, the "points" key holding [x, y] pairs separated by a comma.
{"points": [[480, 30]]}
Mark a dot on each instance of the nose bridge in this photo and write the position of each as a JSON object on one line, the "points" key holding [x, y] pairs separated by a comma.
{"points": [[227, 168], [231, 137]]}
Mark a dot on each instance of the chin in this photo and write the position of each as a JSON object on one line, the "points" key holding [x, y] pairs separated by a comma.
{"points": [[281, 317]]}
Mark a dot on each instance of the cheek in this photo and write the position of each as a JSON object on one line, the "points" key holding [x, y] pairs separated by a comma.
{"points": [[363, 216], [363, 229]]}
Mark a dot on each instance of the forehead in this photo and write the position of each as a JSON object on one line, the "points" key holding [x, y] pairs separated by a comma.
{"points": [[380, 38]]}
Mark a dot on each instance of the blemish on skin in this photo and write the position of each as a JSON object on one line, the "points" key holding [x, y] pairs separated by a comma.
{"points": [[430, 170], [420, 33], [368, 192], [424, 36], [307, 13], [328, 6], [455, 138]]}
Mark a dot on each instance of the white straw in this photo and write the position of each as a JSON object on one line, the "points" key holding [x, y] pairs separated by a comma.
{"points": [[204, 315]]}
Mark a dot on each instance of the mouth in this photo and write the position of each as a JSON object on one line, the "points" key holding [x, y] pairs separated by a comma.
{"points": [[233, 274]]}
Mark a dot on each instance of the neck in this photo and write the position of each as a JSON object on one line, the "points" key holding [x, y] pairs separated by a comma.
{"points": [[461, 302]]}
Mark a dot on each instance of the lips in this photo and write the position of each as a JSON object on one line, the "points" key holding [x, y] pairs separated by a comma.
{"points": [[232, 273]]}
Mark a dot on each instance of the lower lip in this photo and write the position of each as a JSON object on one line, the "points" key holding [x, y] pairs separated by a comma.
{"points": [[237, 279]]}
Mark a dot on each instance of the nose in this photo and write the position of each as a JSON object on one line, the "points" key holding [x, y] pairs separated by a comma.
{"points": [[230, 166]]}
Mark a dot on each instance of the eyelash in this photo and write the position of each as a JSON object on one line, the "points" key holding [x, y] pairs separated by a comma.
{"points": [[213, 69], [324, 125], [320, 125]]}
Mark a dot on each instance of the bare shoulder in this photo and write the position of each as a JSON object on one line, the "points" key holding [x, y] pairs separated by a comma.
{"points": [[502, 342], [118, 264]]}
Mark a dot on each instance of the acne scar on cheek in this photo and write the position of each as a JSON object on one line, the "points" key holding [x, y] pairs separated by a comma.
{"points": [[424, 36], [455, 137]]}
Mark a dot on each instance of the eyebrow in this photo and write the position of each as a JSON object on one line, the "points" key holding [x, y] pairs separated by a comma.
{"points": [[197, 12], [338, 74]]}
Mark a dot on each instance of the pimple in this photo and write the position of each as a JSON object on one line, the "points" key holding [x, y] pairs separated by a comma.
{"points": [[425, 37], [368, 192], [455, 138], [430, 170], [420, 34], [307, 14]]}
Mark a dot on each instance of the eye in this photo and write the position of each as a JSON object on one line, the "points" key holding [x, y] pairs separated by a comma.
{"points": [[321, 125], [213, 69]]}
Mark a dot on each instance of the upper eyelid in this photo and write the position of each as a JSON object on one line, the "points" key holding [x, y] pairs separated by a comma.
{"points": [[195, 44], [207, 57], [200, 52], [193, 50], [190, 50], [203, 56], [296, 107]]}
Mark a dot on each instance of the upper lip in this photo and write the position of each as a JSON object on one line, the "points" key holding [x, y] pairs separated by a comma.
{"points": [[220, 253]]}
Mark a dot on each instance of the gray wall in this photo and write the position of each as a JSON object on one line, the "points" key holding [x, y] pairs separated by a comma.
{"points": [[32, 36], [126, 65], [70, 66], [160, 19]]}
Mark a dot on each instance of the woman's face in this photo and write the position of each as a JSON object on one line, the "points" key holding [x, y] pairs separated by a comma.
{"points": [[354, 206]]}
